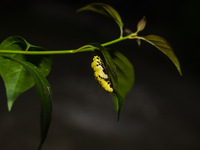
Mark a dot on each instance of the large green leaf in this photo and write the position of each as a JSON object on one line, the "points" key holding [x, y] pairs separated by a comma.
{"points": [[161, 44], [105, 10], [16, 78], [44, 94]]}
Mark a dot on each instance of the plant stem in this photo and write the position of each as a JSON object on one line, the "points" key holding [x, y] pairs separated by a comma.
{"points": [[115, 41], [60, 51]]}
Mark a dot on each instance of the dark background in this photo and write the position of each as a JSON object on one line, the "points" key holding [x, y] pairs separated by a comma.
{"points": [[160, 113]]}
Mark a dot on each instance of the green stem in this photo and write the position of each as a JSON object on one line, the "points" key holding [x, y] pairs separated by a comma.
{"points": [[60, 51], [115, 41]]}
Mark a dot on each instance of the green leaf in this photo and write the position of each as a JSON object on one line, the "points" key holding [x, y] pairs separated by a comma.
{"points": [[141, 24], [125, 73], [112, 73], [109, 64], [161, 44], [125, 76], [44, 94], [16, 79], [118, 101], [105, 10]]}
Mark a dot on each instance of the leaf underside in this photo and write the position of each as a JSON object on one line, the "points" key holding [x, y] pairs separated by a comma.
{"points": [[161, 44], [105, 10]]}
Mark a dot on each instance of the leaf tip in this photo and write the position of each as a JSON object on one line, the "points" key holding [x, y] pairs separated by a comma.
{"points": [[10, 104], [180, 72], [118, 117], [78, 10], [139, 42]]}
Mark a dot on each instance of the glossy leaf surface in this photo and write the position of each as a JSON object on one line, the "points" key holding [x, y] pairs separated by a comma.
{"points": [[16, 79], [161, 44]]}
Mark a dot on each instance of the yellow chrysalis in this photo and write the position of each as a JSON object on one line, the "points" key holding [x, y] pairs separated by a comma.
{"points": [[100, 75]]}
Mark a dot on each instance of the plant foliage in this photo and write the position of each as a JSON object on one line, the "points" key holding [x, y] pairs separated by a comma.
{"points": [[23, 65]]}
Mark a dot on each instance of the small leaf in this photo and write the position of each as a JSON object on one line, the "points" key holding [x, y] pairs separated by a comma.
{"points": [[105, 10], [16, 78], [44, 94], [161, 44], [138, 41], [127, 31], [141, 24]]}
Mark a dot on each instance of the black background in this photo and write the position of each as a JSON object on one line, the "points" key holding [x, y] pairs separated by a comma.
{"points": [[160, 113]]}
